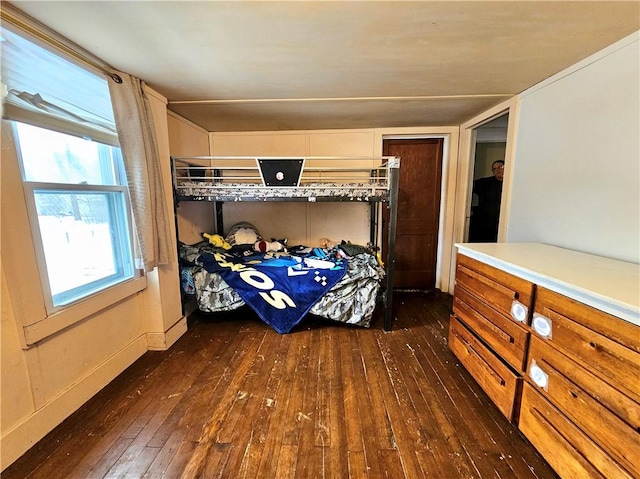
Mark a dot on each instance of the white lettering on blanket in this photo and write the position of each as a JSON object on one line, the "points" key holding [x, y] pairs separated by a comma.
{"points": [[258, 280]]}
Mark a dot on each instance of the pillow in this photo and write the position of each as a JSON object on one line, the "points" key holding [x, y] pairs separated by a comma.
{"points": [[243, 234]]}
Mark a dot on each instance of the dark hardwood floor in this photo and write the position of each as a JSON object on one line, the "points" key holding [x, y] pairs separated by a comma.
{"points": [[234, 399]]}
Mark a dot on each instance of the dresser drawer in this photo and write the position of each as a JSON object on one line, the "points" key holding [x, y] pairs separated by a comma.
{"points": [[565, 447], [506, 293], [606, 344], [608, 417], [495, 378], [507, 338]]}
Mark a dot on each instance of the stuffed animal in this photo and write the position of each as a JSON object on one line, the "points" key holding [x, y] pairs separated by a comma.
{"points": [[217, 240], [243, 234], [327, 243], [268, 246]]}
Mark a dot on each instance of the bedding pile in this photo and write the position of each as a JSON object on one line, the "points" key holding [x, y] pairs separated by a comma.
{"points": [[340, 284]]}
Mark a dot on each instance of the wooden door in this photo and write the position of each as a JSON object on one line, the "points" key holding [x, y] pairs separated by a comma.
{"points": [[418, 211]]}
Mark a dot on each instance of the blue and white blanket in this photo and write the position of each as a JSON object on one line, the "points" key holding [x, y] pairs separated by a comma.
{"points": [[280, 289]]}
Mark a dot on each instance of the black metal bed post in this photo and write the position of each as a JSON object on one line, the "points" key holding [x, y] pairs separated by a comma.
{"points": [[394, 177], [218, 208], [373, 216], [219, 220]]}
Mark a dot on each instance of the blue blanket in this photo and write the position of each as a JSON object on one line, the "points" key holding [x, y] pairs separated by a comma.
{"points": [[280, 290]]}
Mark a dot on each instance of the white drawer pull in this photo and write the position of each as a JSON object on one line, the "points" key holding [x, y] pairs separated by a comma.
{"points": [[538, 376], [519, 311], [542, 325]]}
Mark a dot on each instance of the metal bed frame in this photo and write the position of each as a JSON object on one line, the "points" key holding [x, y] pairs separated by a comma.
{"points": [[220, 179]]}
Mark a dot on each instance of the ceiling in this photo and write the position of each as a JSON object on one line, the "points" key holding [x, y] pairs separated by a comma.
{"points": [[252, 66]]}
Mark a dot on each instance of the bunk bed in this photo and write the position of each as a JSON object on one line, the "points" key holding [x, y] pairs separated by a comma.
{"points": [[221, 179]]}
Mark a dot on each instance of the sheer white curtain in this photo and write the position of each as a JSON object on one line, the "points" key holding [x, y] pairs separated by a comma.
{"points": [[136, 133]]}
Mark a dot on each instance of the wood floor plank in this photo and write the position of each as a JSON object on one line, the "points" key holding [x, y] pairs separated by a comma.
{"points": [[357, 465], [391, 464], [139, 464], [217, 461], [152, 418], [382, 423], [457, 411], [442, 450], [404, 438], [271, 408], [102, 467], [324, 365], [310, 456], [132, 409], [249, 391], [326, 401], [287, 458], [285, 415], [338, 462], [259, 409], [215, 357], [197, 461], [187, 420], [65, 439], [180, 459], [295, 401], [368, 415], [490, 458], [165, 455], [354, 440], [140, 442], [222, 371]]}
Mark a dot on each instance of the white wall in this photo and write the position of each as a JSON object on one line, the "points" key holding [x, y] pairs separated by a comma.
{"points": [[576, 177]]}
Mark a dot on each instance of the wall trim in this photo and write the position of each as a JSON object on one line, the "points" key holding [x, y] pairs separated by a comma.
{"points": [[16, 441], [162, 341]]}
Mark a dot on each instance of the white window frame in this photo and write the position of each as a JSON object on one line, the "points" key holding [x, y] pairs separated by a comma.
{"points": [[30, 188]]}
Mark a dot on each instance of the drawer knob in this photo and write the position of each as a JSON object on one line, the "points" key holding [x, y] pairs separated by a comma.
{"points": [[542, 325], [538, 376], [519, 311]]}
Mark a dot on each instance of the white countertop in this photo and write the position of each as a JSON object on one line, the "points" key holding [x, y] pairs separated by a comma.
{"points": [[607, 284]]}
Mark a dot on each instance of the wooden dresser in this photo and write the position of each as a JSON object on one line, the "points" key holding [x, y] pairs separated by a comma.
{"points": [[553, 337]]}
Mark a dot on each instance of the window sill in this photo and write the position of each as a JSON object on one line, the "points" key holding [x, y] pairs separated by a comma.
{"points": [[58, 321]]}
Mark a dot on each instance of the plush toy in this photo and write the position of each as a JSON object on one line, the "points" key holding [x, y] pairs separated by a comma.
{"points": [[267, 246], [243, 234], [327, 243], [217, 240]]}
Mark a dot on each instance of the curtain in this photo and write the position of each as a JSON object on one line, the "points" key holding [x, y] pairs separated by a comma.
{"points": [[136, 133]]}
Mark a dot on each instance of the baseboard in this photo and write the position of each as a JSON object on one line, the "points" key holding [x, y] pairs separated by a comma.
{"points": [[24, 435], [163, 341]]}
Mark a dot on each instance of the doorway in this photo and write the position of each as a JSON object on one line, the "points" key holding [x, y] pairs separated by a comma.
{"points": [[418, 211], [488, 157]]}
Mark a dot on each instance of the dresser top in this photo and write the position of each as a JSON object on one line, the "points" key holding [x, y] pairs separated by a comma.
{"points": [[607, 284]]}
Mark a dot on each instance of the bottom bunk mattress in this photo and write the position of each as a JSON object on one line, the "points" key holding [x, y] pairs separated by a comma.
{"points": [[350, 295]]}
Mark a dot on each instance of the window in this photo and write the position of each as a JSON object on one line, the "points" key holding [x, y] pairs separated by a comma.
{"points": [[72, 171], [76, 190]]}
